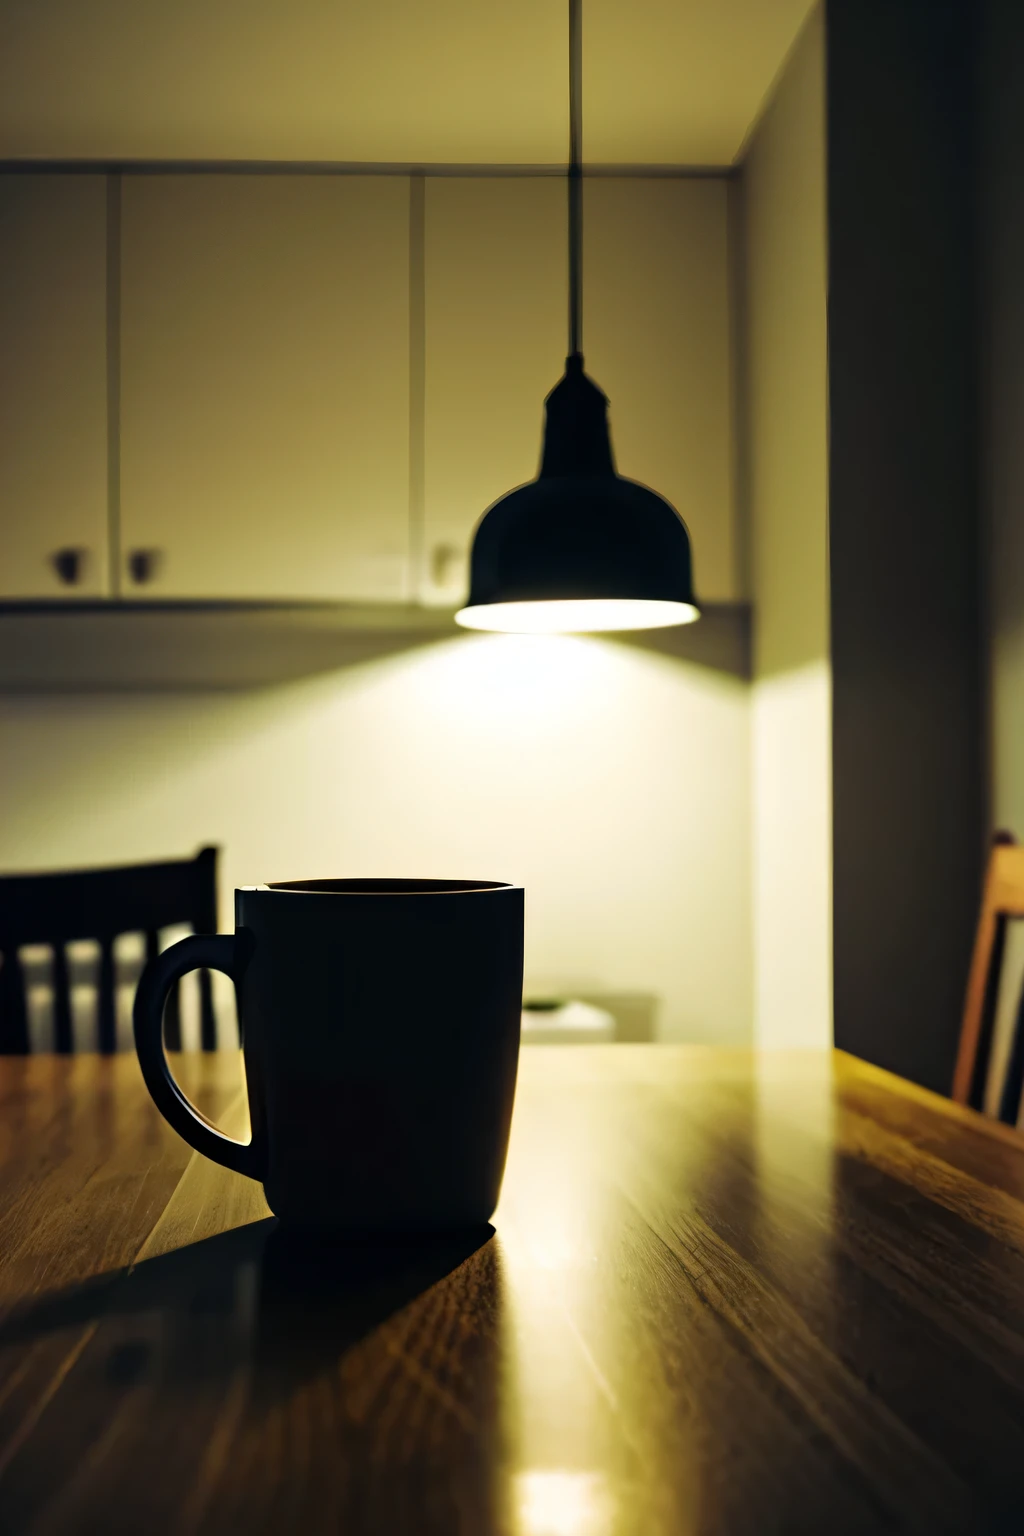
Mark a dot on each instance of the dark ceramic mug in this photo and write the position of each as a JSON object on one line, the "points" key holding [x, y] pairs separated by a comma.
{"points": [[380, 1021]]}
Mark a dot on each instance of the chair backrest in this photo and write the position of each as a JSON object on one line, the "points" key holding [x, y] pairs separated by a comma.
{"points": [[1003, 898], [100, 904]]}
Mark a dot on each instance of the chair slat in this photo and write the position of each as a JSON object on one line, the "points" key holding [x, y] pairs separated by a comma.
{"points": [[14, 1039], [107, 1016], [1013, 1082], [152, 944], [172, 1019], [63, 1039], [987, 1020], [207, 1018]]}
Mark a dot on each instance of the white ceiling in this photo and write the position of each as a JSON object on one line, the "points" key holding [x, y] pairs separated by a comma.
{"points": [[422, 81]]}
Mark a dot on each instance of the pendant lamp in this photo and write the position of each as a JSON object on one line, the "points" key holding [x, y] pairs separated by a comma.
{"points": [[579, 548]]}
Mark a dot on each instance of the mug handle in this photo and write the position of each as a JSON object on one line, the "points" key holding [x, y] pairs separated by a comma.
{"points": [[213, 951]]}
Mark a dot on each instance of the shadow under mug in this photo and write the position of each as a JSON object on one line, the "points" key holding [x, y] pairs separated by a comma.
{"points": [[380, 1021]]}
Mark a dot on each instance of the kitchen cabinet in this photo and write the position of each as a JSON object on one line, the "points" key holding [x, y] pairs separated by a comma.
{"points": [[318, 383], [265, 387], [656, 338], [53, 386]]}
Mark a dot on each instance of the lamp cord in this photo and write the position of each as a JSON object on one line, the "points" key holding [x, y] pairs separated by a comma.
{"points": [[575, 177]]}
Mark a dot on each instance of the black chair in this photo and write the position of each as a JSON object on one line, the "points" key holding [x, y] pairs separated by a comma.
{"points": [[100, 904]]}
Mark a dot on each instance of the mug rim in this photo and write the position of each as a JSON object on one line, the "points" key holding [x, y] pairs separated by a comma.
{"points": [[380, 886]]}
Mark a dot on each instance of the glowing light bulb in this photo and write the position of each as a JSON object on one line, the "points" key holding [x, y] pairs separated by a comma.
{"points": [[576, 615]]}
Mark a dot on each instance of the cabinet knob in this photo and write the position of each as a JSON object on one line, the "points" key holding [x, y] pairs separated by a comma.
{"points": [[447, 565], [69, 565], [143, 564]]}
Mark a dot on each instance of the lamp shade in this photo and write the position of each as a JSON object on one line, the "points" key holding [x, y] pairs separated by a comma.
{"points": [[579, 548]]}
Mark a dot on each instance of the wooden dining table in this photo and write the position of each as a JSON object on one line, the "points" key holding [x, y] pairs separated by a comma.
{"points": [[723, 1292]]}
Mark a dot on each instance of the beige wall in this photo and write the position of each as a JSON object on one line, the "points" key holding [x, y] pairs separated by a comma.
{"points": [[781, 219], [1003, 382], [612, 781]]}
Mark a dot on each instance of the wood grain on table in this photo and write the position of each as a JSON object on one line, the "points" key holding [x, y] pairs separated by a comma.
{"points": [[725, 1293]]}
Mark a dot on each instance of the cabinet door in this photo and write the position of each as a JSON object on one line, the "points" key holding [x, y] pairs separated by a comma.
{"points": [[265, 387], [496, 297], [53, 386], [656, 336]]}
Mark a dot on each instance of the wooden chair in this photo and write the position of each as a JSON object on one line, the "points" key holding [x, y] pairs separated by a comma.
{"points": [[100, 904], [1003, 898]]}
